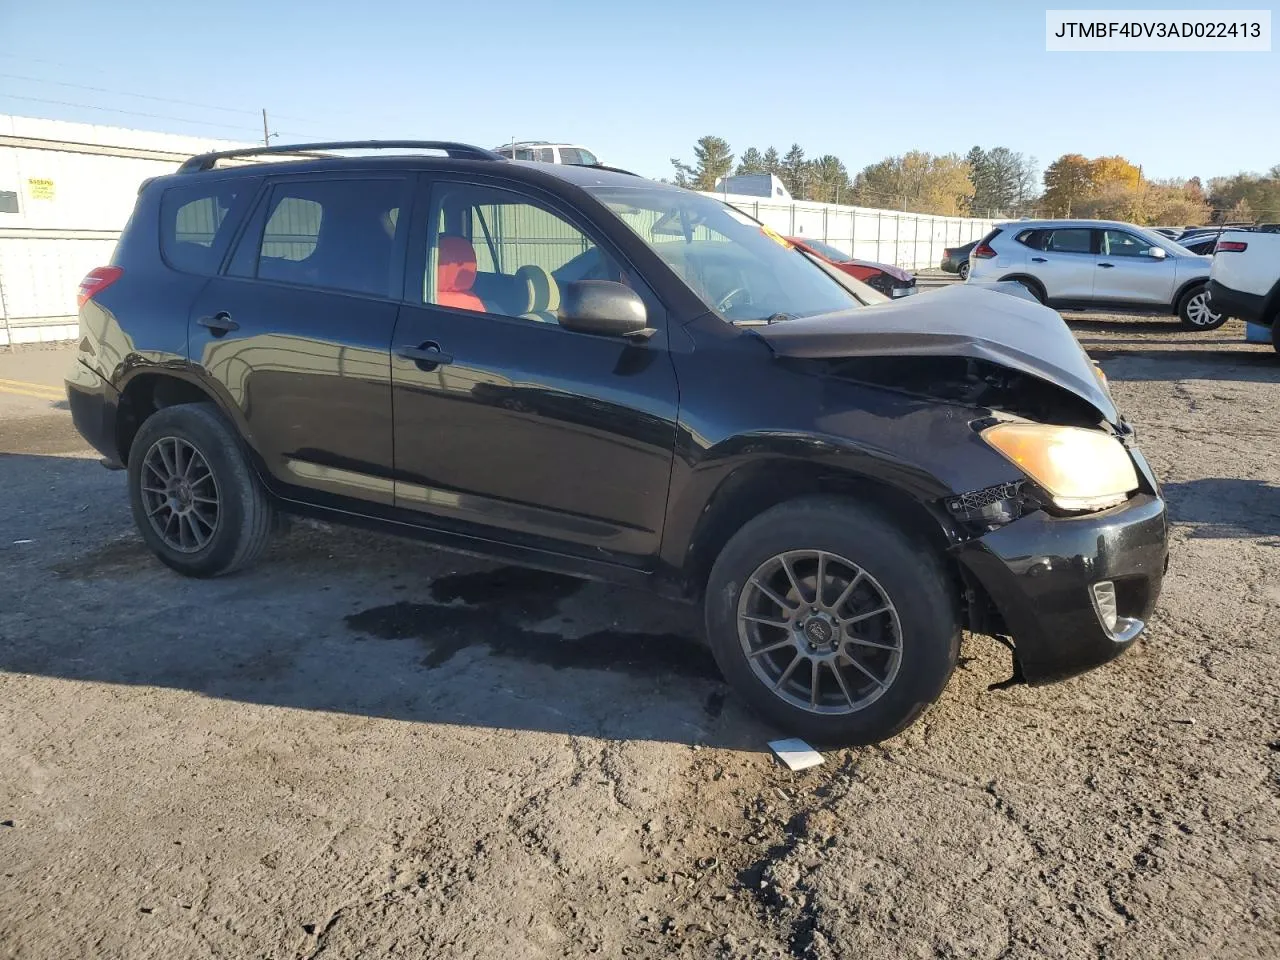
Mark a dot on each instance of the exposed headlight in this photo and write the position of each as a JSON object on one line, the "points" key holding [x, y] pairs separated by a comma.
{"points": [[1080, 469], [1102, 379]]}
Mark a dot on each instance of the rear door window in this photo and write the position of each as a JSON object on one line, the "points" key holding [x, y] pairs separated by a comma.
{"points": [[197, 220], [334, 234], [1072, 240]]}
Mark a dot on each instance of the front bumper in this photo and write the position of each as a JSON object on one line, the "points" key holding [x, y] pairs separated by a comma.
{"points": [[1039, 572], [94, 403]]}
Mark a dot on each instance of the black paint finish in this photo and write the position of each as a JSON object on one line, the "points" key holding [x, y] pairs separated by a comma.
{"points": [[623, 459]]}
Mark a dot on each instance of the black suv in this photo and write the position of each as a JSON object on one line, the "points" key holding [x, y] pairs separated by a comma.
{"points": [[581, 370]]}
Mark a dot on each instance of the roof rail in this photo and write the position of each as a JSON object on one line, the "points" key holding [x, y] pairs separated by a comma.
{"points": [[461, 151]]}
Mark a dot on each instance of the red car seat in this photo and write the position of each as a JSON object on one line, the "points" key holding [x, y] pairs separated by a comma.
{"points": [[456, 273]]}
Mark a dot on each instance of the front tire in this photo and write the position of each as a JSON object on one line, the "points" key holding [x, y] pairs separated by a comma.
{"points": [[194, 496], [1194, 312], [831, 622]]}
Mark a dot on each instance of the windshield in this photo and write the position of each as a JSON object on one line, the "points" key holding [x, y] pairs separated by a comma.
{"points": [[828, 251], [743, 270]]}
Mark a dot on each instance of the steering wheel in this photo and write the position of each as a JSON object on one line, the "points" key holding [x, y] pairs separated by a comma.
{"points": [[723, 304]]}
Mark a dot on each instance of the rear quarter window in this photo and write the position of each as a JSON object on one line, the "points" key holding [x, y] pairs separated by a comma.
{"points": [[196, 223], [1032, 238]]}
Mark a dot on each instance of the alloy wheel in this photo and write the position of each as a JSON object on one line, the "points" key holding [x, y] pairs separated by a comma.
{"points": [[180, 495], [820, 632], [1198, 312]]}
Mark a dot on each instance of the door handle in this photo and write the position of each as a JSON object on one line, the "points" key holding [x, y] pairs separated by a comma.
{"points": [[1106, 266], [426, 355], [1039, 259], [219, 324]]}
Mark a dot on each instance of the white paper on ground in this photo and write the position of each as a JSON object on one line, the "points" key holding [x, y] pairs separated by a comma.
{"points": [[795, 753]]}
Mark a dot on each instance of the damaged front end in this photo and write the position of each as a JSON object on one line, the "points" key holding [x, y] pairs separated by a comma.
{"points": [[1065, 553]]}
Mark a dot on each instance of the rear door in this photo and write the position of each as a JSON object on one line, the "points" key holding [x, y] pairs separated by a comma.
{"points": [[296, 332], [1128, 273], [1063, 260], [506, 424]]}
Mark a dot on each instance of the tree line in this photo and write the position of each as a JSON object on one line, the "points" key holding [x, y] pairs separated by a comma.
{"points": [[995, 182]]}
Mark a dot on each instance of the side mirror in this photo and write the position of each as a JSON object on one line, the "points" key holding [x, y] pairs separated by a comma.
{"points": [[1156, 253], [603, 307]]}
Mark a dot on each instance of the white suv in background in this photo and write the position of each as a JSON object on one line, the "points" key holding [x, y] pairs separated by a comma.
{"points": [[546, 152], [1098, 265], [1245, 281]]}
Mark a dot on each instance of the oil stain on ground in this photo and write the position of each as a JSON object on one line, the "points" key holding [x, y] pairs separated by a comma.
{"points": [[530, 594], [497, 601]]}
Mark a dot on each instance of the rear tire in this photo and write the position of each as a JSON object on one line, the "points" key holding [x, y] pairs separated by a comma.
{"points": [[194, 495], [877, 672], [964, 270], [1194, 312]]}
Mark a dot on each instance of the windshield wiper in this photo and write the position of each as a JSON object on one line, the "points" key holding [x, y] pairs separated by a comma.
{"points": [[775, 318]]}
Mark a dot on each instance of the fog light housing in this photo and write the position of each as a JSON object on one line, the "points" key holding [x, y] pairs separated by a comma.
{"points": [[991, 507], [1104, 602]]}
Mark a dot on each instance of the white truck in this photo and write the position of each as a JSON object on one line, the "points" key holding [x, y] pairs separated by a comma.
{"points": [[1244, 281]]}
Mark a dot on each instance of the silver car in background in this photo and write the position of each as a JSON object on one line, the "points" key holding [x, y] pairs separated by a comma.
{"points": [[1098, 265]]}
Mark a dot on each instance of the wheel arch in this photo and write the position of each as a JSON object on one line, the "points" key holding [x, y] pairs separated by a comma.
{"points": [[147, 390], [1184, 289], [753, 488]]}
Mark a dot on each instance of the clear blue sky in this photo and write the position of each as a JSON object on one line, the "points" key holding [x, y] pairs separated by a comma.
{"points": [[639, 82]]}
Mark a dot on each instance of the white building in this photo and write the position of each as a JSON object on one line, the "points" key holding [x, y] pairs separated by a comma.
{"points": [[66, 191]]}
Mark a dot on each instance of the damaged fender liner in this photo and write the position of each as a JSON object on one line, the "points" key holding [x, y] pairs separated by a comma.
{"points": [[960, 321]]}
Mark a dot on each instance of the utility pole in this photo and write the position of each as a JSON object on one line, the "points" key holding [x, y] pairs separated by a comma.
{"points": [[266, 137]]}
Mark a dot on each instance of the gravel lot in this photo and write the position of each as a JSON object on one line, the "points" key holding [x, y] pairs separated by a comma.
{"points": [[366, 748]]}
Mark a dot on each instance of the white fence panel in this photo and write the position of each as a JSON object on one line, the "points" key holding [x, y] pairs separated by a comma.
{"points": [[913, 241]]}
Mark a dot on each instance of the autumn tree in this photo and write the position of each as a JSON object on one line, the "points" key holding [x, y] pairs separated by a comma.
{"points": [[1260, 193], [917, 182], [1067, 181], [1174, 203], [1106, 171]]}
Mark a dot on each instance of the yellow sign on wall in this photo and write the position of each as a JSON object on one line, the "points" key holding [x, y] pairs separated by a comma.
{"points": [[40, 189]]}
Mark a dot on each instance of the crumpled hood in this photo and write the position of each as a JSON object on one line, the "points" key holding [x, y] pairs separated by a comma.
{"points": [[957, 321]]}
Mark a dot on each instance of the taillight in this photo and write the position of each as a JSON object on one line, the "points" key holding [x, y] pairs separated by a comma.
{"points": [[1231, 246], [95, 281], [946, 254], [983, 251]]}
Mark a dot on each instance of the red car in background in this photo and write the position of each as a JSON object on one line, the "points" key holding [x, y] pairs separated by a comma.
{"points": [[891, 281]]}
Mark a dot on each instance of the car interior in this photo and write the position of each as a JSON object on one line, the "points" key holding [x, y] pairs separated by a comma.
{"points": [[499, 254]]}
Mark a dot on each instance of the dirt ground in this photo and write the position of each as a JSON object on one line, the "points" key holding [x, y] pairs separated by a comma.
{"points": [[366, 748]]}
